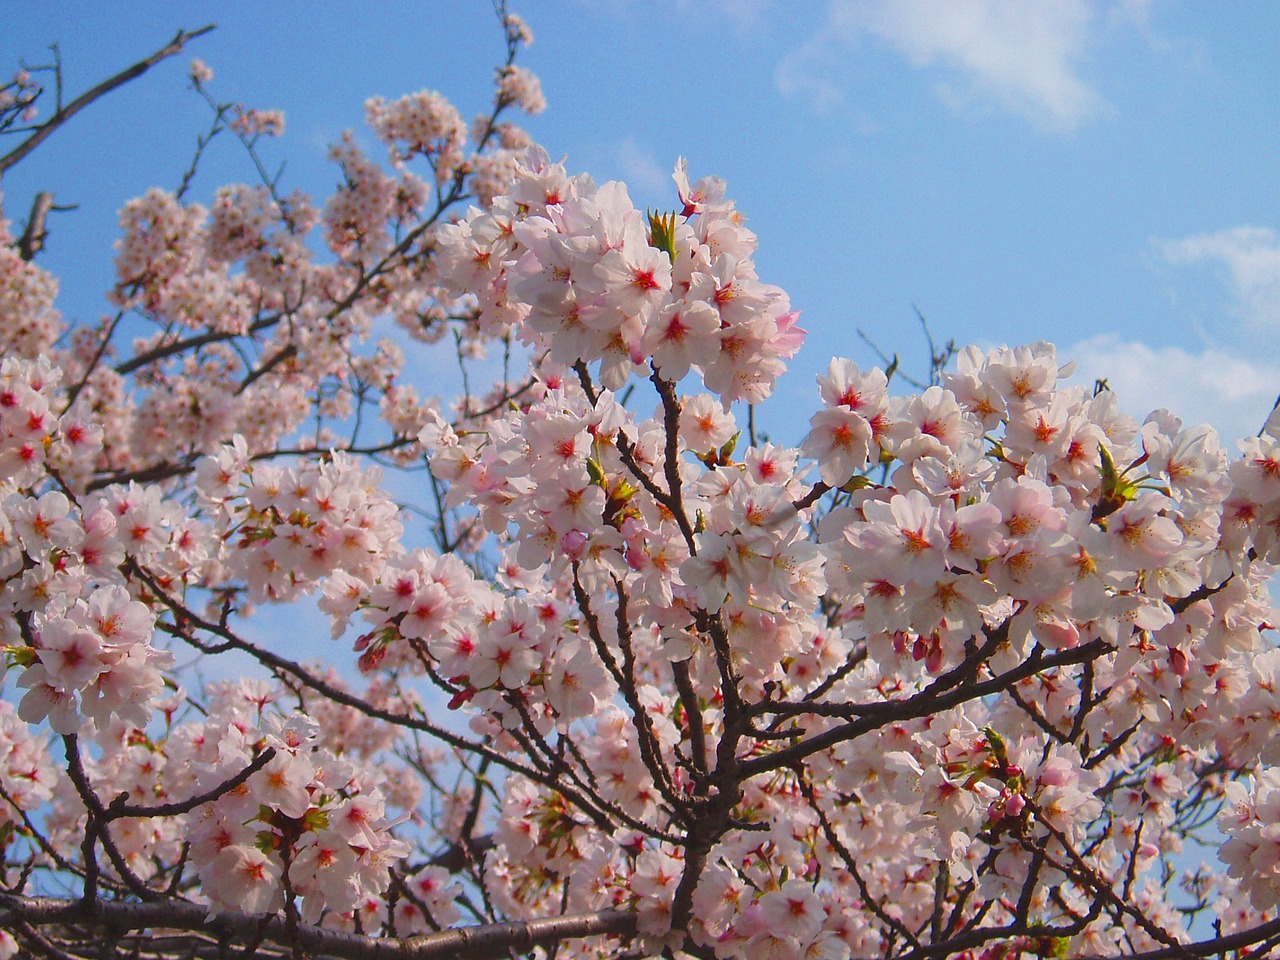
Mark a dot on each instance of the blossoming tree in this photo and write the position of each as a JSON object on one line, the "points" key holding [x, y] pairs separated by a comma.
{"points": [[981, 670]]}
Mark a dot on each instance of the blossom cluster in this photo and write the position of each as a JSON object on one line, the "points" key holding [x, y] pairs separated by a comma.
{"points": [[312, 819], [28, 321], [591, 281], [1016, 515], [307, 820], [283, 529], [18, 98], [965, 669]]}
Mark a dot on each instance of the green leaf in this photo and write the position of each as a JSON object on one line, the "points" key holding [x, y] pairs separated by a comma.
{"points": [[662, 233], [595, 471], [21, 656], [730, 445], [998, 748]]}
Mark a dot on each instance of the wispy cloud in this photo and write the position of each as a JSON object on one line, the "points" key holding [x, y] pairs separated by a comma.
{"points": [[806, 73], [1232, 379], [1250, 259], [1023, 56], [1227, 388], [645, 176]]}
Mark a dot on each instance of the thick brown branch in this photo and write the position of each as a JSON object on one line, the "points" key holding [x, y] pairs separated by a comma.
{"points": [[471, 943], [32, 240]]}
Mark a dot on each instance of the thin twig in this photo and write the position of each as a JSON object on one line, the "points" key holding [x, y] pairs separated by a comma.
{"points": [[63, 114]]}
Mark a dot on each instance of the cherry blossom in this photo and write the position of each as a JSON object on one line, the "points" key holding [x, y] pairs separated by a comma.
{"points": [[975, 670]]}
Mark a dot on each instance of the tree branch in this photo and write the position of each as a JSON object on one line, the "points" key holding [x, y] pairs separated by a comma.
{"points": [[32, 240], [472, 943], [46, 129]]}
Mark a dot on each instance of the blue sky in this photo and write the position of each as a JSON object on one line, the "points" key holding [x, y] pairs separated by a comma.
{"points": [[1099, 174]]}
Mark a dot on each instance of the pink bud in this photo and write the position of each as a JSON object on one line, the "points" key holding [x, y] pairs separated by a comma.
{"points": [[573, 543], [1055, 772], [461, 697]]}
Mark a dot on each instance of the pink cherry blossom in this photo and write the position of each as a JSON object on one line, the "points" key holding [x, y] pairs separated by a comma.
{"points": [[979, 669]]}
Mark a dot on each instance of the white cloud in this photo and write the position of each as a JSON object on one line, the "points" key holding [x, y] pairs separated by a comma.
{"points": [[1021, 55], [805, 73], [642, 172], [1251, 258], [1228, 390]]}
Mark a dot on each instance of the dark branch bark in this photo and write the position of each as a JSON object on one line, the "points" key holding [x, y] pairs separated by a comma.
{"points": [[119, 808], [872, 716], [32, 240], [472, 943]]}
